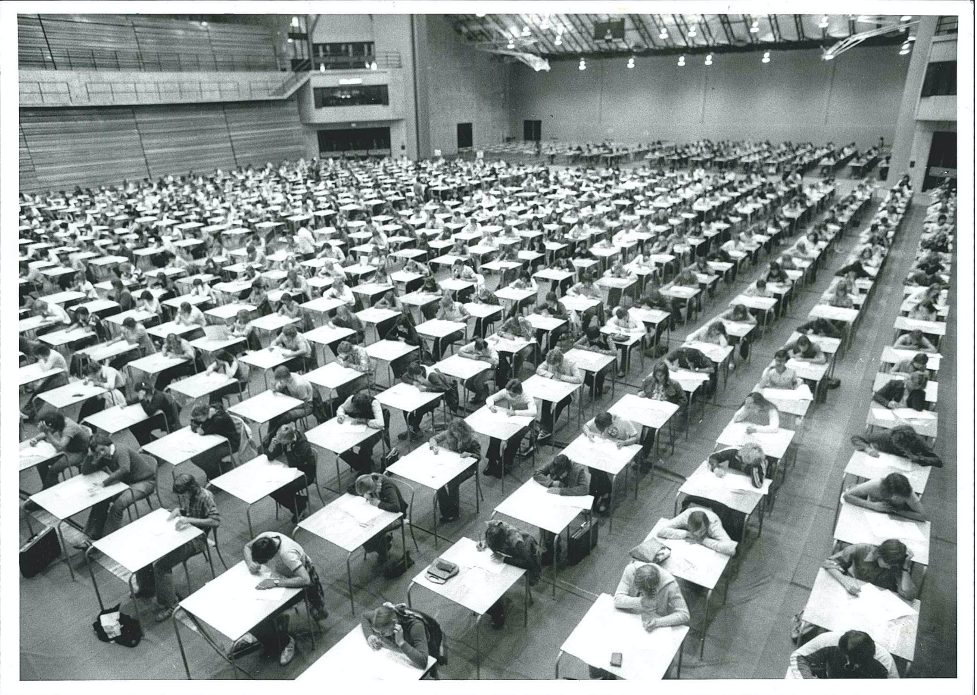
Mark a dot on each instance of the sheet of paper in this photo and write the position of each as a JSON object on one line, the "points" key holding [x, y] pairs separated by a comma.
{"points": [[882, 605], [884, 526], [484, 559], [738, 483], [275, 595], [883, 414], [362, 511], [910, 414]]}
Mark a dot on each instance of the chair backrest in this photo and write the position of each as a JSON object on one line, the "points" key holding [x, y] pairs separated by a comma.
{"points": [[244, 432]]}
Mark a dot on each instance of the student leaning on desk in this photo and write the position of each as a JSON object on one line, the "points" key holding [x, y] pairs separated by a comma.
{"points": [[901, 440], [889, 495], [292, 568], [197, 508], [653, 592], [886, 565], [836, 655]]}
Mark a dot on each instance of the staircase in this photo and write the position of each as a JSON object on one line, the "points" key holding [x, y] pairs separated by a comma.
{"points": [[298, 77]]}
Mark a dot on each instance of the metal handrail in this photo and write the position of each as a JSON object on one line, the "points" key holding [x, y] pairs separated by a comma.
{"points": [[150, 61]]}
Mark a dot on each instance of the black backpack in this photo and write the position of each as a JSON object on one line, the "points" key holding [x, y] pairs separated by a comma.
{"points": [[435, 635]]}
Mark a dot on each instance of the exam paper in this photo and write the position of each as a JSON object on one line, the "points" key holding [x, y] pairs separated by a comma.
{"points": [[361, 510], [485, 559], [882, 605], [275, 595], [910, 414], [884, 526]]}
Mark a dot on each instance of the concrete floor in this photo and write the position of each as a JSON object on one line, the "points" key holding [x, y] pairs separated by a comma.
{"points": [[747, 637]]}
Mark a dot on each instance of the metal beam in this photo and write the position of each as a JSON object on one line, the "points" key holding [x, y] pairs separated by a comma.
{"points": [[748, 22], [591, 45], [727, 29], [682, 29], [799, 25], [710, 39], [543, 42], [580, 48], [642, 30], [775, 26]]}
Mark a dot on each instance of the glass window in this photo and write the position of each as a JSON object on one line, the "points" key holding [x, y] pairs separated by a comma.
{"points": [[344, 56], [946, 24], [941, 79], [360, 95]]}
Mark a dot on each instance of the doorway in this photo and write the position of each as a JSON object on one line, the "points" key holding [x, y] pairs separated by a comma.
{"points": [[532, 130], [464, 136], [942, 163]]}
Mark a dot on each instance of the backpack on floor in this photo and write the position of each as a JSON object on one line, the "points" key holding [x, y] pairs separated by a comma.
{"points": [[397, 566]]}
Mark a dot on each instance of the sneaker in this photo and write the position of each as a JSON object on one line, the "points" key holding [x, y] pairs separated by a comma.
{"points": [[31, 506], [288, 653], [448, 518], [402, 436], [163, 614]]}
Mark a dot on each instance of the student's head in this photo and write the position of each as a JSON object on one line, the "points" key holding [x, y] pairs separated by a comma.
{"points": [[896, 487], [290, 331], [144, 389], [890, 553], [751, 454], [554, 357], [717, 328], [146, 296], [551, 298], [761, 284], [367, 486], [514, 387], [919, 361], [804, 342], [698, 524], [916, 335], [200, 414], [172, 340], [197, 282], [185, 484], [361, 402], [129, 323], [93, 369], [621, 313], [384, 620], [264, 549], [461, 430], [117, 284], [43, 351], [100, 444], [224, 356], [757, 401], [660, 372], [740, 312], [345, 347], [647, 579], [52, 421], [243, 316], [780, 357], [916, 381], [561, 465], [497, 535], [603, 421], [446, 301], [481, 344]]}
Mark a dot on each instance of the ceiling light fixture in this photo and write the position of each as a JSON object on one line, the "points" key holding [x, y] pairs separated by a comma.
{"points": [[631, 63], [681, 61], [823, 24], [583, 64], [755, 27], [203, 24], [295, 21], [525, 31], [510, 45], [829, 56], [691, 31], [709, 59], [905, 18], [766, 57], [559, 41], [373, 65]]}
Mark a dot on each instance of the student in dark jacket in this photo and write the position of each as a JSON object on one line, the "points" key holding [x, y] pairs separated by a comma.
{"points": [[157, 406], [901, 440], [135, 469], [383, 493], [852, 654], [903, 393], [426, 379], [517, 548], [291, 447], [402, 633], [819, 327], [553, 308], [693, 360], [122, 296], [212, 419]]}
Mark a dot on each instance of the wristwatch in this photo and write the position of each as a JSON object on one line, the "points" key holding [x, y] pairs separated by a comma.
{"points": [[277, 583]]}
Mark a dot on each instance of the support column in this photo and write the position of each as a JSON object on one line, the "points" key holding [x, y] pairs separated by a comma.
{"points": [[902, 146]]}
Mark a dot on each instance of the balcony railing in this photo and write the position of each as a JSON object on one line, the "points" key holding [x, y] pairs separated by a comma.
{"points": [[152, 61], [383, 60]]}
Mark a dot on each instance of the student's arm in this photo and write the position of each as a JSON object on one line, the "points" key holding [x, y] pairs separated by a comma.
{"points": [[859, 495], [579, 484], [575, 377], [837, 566], [907, 587], [811, 657], [377, 421], [212, 520], [888, 393], [541, 370], [414, 644], [676, 528], [774, 422], [678, 609], [624, 599], [717, 539]]}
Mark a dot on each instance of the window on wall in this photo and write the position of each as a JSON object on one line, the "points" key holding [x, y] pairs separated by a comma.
{"points": [[941, 79], [355, 140], [360, 95], [946, 24], [344, 56], [298, 43]]}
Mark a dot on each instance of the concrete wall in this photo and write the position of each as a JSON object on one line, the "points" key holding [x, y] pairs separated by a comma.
{"points": [[464, 86], [796, 96], [124, 88]]}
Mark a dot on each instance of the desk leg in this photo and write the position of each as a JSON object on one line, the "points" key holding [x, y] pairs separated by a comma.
{"points": [[179, 641], [88, 563], [349, 583], [525, 600], [610, 523], [478, 648], [64, 547], [705, 625], [434, 513], [681, 649], [555, 536], [247, 513], [556, 669]]}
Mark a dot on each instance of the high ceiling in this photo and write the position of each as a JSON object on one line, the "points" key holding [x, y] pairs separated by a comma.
{"points": [[573, 35]]}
